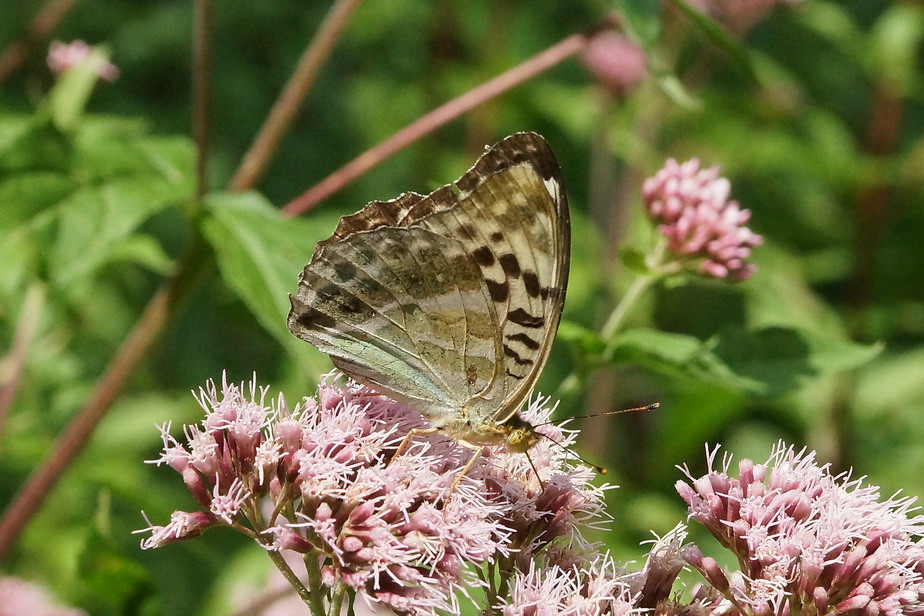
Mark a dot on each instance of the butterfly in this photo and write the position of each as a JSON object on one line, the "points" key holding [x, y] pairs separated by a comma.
{"points": [[449, 302]]}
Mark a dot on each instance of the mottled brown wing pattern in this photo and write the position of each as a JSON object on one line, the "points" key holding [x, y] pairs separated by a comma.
{"points": [[448, 301], [393, 308]]}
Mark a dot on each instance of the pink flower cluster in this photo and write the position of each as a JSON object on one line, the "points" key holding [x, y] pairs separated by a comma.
{"points": [[20, 597], [65, 56], [323, 480], [807, 542], [700, 224], [588, 590], [615, 61]]}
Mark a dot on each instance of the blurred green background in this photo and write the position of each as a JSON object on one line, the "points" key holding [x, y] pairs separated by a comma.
{"points": [[814, 113]]}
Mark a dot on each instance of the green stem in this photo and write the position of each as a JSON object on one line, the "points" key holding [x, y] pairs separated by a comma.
{"points": [[639, 286], [311, 598], [572, 383], [616, 318], [505, 572], [315, 597], [491, 590], [336, 602]]}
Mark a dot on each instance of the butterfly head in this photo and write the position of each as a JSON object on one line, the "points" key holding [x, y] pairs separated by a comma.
{"points": [[519, 435]]}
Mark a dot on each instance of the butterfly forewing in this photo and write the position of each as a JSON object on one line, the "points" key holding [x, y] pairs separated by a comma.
{"points": [[449, 301]]}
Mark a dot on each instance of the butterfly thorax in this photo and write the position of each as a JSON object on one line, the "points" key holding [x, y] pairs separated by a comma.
{"points": [[516, 434]]}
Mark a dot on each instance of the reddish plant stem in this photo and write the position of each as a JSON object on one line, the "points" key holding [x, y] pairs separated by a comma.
{"points": [[436, 118], [201, 69], [286, 106], [871, 212], [46, 21], [872, 202]]}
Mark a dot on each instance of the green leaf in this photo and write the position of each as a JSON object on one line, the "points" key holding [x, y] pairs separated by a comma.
{"points": [[834, 21], [634, 260], [144, 251], [260, 255], [33, 143], [68, 99], [22, 195], [71, 204], [774, 360], [765, 362], [110, 147], [663, 351], [673, 87], [588, 340], [95, 220], [894, 44]]}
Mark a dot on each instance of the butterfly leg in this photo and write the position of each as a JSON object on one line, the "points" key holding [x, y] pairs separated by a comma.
{"points": [[407, 439], [475, 449], [476, 453]]}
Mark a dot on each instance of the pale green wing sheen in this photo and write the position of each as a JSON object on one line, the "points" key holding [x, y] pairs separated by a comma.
{"points": [[448, 302]]}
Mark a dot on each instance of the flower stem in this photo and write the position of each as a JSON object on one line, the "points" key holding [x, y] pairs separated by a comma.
{"points": [[311, 598], [572, 383], [336, 603], [616, 318], [15, 360], [315, 597], [641, 284]]}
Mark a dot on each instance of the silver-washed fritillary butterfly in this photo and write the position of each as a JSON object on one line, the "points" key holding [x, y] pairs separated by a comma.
{"points": [[449, 302]]}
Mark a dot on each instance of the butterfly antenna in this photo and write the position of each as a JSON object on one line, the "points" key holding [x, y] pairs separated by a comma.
{"points": [[535, 470], [600, 469], [647, 407]]}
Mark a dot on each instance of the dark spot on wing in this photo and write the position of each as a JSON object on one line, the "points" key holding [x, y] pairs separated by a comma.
{"points": [[510, 264], [483, 256], [519, 377], [509, 352], [521, 317], [471, 374], [499, 291], [531, 282], [327, 292], [314, 319], [353, 305], [497, 236], [523, 339], [410, 308], [345, 270]]}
